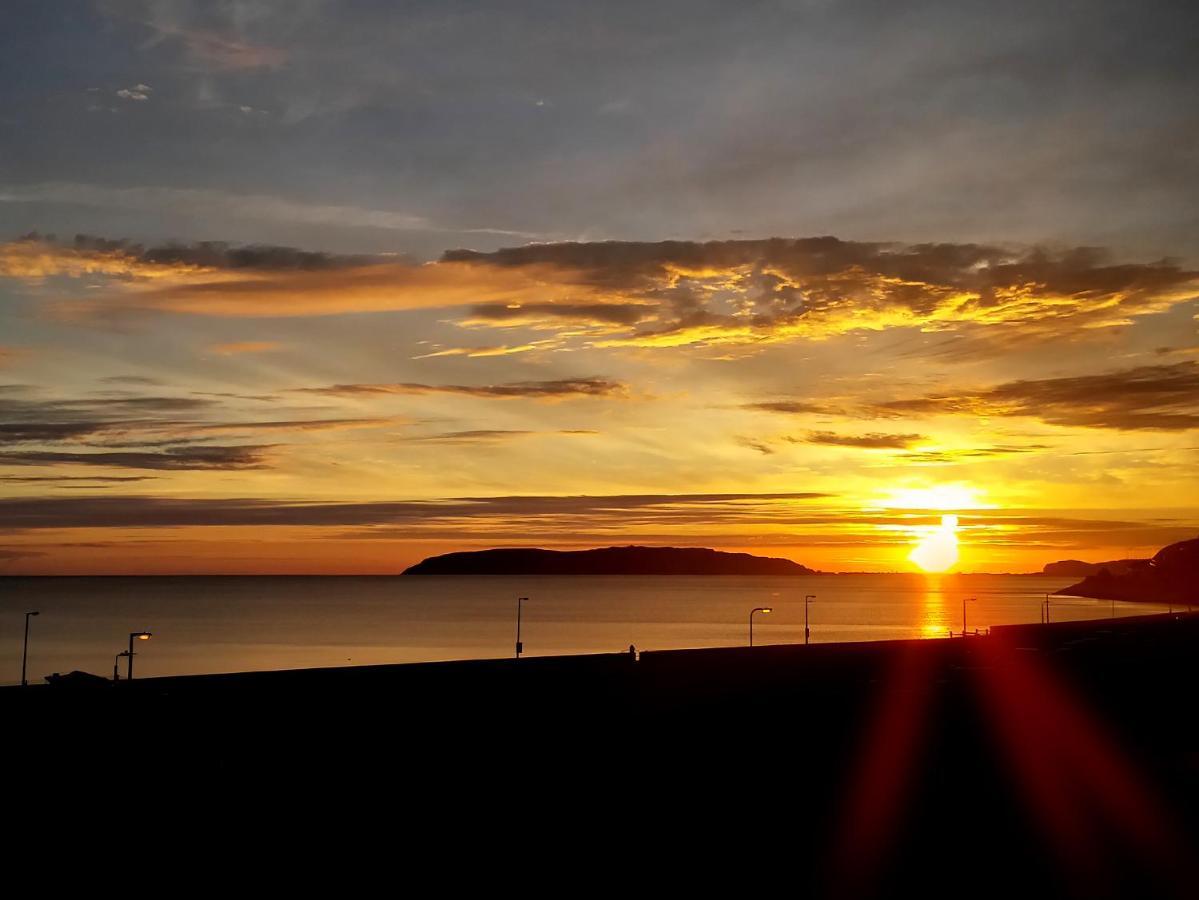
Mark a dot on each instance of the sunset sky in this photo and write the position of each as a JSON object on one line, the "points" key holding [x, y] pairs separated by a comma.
{"points": [[331, 287]]}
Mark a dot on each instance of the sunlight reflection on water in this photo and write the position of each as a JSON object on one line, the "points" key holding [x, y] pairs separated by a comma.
{"points": [[236, 624]]}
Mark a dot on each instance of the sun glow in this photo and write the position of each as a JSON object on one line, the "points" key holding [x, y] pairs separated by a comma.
{"points": [[937, 551], [941, 496]]}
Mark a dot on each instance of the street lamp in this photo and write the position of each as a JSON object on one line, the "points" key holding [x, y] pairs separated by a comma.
{"points": [[756, 609], [25, 649], [966, 600], [1047, 596], [135, 636], [519, 643], [116, 665], [807, 600]]}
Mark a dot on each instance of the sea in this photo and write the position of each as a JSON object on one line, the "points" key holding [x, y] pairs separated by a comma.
{"points": [[236, 624]]}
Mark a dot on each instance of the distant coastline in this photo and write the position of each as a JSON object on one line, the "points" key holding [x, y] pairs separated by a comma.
{"points": [[402, 573]]}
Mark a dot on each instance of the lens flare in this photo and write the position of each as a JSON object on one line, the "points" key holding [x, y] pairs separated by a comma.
{"points": [[937, 551]]}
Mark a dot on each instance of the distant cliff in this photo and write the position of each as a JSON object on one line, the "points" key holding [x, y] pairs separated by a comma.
{"points": [[1172, 576], [606, 561], [1076, 568]]}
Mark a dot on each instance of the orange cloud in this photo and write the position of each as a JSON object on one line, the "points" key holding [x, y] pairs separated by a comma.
{"points": [[641, 295]]}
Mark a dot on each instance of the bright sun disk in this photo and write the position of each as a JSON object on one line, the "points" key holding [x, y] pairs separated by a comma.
{"points": [[937, 551]]}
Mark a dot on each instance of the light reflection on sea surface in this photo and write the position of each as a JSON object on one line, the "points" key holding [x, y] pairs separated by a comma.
{"points": [[238, 624]]}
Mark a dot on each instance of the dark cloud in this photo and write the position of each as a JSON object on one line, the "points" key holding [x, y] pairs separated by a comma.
{"points": [[792, 407], [25, 421], [200, 458], [537, 390], [206, 254], [760, 446], [139, 421], [140, 511], [139, 380], [1151, 398], [292, 425], [44, 432], [225, 395], [586, 313], [872, 441], [67, 479], [146, 433]]}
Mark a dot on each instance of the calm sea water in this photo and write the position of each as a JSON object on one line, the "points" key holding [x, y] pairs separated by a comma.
{"points": [[238, 624]]}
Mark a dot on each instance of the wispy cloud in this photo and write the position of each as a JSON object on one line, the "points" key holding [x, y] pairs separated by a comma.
{"points": [[871, 441], [115, 430], [790, 407], [489, 436], [1151, 398], [954, 455], [556, 389], [141, 511], [1143, 398], [226, 53], [139, 92], [201, 458], [67, 479], [235, 348]]}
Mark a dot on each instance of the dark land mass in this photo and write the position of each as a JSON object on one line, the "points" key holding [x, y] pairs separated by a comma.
{"points": [[606, 561], [1172, 576], [1055, 760], [1076, 568]]}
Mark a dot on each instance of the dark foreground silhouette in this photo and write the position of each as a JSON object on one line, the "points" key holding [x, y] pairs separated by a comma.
{"points": [[1056, 760], [1171, 576], [605, 561]]}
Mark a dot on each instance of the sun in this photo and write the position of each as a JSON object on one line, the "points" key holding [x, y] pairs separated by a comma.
{"points": [[937, 551], [941, 496]]}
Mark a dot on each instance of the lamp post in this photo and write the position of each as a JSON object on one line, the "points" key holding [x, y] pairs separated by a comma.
{"points": [[25, 648], [135, 636], [116, 665], [757, 609], [1047, 609], [966, 600], [519, 643], [807, 601]]}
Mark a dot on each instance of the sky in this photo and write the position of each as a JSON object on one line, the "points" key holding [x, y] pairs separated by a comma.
{"points": [[325, 287]]}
